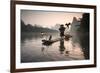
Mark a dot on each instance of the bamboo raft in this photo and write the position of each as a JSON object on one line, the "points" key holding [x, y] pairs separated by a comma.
{"points": [[49, 42]]}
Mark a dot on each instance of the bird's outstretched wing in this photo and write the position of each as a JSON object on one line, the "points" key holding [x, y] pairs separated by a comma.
{"points": [[67, 24]]}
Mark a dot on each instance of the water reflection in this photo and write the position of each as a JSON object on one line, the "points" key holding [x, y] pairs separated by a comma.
{"points": [[61, 47], [34, 50]]}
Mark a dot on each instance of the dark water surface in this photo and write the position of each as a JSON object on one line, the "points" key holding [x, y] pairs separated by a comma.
{"points": [[32, 49]]}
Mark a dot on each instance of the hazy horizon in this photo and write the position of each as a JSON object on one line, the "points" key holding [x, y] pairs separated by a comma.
{"points": [[47, 18]]}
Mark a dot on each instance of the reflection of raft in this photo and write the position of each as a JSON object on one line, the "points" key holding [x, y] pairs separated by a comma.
{"points": [[49, 42]]}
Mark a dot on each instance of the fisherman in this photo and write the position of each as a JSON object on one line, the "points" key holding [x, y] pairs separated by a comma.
{"points": [[62, 29]]}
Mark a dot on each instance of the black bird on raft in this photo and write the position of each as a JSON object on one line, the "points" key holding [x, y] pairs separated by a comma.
{"points": [[48, 42]]}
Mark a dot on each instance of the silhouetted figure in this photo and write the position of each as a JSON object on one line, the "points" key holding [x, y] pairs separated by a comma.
{"points": [[68, 24], [61, 47], [62, 29]]}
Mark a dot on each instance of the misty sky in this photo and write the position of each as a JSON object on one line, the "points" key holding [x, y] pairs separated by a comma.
{"points": [[47, 18]]}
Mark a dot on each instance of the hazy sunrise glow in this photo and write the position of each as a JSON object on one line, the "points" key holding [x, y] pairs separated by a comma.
{"points": [[47, 18]]}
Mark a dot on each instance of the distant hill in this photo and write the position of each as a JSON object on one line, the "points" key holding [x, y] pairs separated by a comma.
{"points": [[74, 26], [35, 28]]}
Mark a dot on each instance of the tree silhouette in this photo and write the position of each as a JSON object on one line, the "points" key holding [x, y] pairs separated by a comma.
{"points": [[84, 34]]}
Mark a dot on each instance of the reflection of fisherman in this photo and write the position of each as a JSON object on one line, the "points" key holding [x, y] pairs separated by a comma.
{"points": [[62, 29], [61, 47]]}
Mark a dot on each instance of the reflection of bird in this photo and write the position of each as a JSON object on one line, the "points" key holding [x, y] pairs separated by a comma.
{"points": [[67, 24], [67, 53]]}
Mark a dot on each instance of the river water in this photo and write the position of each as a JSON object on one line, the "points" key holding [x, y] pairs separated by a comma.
{"points": [[32, 49]]}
